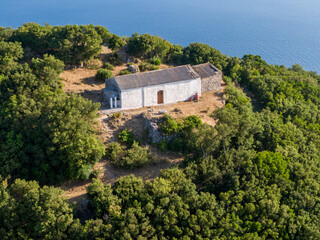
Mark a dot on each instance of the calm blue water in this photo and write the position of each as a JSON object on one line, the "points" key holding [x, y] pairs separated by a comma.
{"points": [[281, 31]]}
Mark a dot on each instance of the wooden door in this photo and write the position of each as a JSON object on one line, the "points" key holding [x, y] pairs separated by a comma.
{"points": [[160, 96]]}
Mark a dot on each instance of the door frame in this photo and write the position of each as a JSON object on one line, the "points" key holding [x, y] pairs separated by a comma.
{"points": [[160, 97]]}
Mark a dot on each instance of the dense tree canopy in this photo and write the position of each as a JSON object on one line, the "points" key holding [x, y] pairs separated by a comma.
{"points": [[44, 134], [71, 43]]}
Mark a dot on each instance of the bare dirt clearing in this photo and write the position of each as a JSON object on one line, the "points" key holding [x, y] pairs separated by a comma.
{"points": [[82, 80]]}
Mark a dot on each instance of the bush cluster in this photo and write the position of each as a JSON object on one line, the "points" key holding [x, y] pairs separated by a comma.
{"points": [[155, 60], [144, 66], [108, 66], [103, 74], [132, 157], [126, 137], [115, 59], [170, 126], [157, 50], [124, 72]]}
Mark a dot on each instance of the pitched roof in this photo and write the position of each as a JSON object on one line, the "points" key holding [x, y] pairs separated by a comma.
{"points": [[205, 70], [157, 77]]}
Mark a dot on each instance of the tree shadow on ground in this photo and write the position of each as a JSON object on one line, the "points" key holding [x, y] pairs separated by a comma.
{"points": [[93, 95]]}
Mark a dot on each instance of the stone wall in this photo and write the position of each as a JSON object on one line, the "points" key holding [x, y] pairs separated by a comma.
{"points": [[111, 91], [152, 126], [212, 83]]}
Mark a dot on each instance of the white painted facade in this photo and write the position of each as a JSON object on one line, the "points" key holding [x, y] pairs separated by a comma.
{"points": [[148, 96]]}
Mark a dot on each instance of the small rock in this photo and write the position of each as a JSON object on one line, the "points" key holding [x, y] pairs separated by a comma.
{"points": [[162, 111]]}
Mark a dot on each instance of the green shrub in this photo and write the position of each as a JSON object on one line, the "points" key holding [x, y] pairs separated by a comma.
{"points": [[85, 172], [93, 64], [115, 59], [169, 126], [144, 66], [156, 61], [95, 173], [115, 151], [126, 137], [272, 164], [103, 74], [163, 145], [191, 122], [124, 72], [108, 66], [136, 157], [115, 42], [117, 115], [102, 200], [178, 144]]}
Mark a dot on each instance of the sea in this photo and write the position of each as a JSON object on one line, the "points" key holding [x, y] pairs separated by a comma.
{"points": [[282, 32]]}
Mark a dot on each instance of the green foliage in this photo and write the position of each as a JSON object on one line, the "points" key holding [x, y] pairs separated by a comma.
{"points": [[155, 48], [132, 157], [272, 164], [175, 55], [155, 61], [85, 172], [115, 42], [126, 137], [108, 66], [169, 126], [72, 44], [144, 66], [124, 72], [30, 212], [103, 74], [115, 59], [115, 152], [9, 53], [163, 145], [136, 156], [5, 33], [197, 53], [191, 122], [44, 134], [103, 201], [147, 46], [103, 33], [47, 70], [93, 64], [117, 115]]}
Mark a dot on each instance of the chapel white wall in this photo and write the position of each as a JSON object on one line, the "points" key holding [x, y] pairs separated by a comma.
{"points": [[132, 98], [172, 93]]}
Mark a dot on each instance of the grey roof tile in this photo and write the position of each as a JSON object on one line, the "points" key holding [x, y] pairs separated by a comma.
{"points": [[157, 77], [206, 70]]}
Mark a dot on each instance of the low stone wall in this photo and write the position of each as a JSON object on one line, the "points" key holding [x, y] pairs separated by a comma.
{"points": [[212, 83]]}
